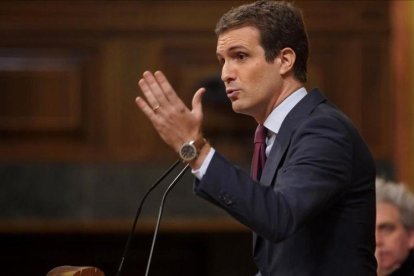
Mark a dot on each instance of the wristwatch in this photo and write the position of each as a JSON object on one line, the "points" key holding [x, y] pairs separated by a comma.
{"points": [[190, 150]]}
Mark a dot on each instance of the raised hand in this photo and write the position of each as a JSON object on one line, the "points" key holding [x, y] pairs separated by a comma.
{"points": [[174, 122]]}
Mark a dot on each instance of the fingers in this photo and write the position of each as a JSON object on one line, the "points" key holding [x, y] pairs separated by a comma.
{"points": [[166, 87], [159, 93], [148, 111], [197, 108], [158, 90], [149, 95], [155, 88]]}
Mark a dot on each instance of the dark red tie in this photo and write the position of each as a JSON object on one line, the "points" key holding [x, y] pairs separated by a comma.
{"points": [[259, 154]]}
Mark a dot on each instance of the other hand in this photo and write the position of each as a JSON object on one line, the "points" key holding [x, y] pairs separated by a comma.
{"points": [[174, 122]]}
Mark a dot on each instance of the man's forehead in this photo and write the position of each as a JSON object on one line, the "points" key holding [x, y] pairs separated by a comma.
{"points": [[387, 211], [240, 37], [247, 29]]}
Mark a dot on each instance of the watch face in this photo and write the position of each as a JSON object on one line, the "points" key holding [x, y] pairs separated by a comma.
{"points": [[188, 152]]}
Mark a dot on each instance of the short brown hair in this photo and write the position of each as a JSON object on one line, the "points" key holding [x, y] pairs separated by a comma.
{"points": [[280, 25]]}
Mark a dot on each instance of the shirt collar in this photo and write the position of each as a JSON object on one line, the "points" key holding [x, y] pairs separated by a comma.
{"points": [[275, 119]]}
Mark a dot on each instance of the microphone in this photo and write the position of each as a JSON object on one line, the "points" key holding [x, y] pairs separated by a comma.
{"points": [[131, 233], [160, 214]]}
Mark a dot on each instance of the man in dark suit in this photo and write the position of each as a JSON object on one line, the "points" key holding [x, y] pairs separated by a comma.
{"points": [[311, 199]]}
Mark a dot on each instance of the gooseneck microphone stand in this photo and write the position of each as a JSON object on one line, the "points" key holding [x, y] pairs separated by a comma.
{"points": [[131, 233], [160, 214]]}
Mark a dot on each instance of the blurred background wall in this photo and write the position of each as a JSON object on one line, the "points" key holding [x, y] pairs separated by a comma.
{"points": [[76, 155]]}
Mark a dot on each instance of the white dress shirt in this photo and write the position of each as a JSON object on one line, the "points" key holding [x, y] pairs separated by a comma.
{"points": [[273, 123]]}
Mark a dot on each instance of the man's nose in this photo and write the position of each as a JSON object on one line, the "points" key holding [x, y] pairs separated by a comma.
{"points": [[227, 73], [378, 238]]}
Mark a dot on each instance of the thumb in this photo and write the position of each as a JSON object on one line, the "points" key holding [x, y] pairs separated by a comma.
{"points": [[196, 104]]}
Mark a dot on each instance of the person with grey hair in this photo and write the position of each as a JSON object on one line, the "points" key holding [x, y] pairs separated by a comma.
{"points": [[394, 229]]}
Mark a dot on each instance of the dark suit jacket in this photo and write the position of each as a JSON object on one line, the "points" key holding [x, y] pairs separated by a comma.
{"points": [[313, 212], [407, 267]]}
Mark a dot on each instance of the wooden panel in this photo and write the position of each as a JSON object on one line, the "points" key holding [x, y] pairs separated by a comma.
{"points": [[346, 16], [352, 71], [325, 16], [131, 137], [402, 87], [48, 109], [41, 91], [79, 16], [99, 51], [376, 124]]}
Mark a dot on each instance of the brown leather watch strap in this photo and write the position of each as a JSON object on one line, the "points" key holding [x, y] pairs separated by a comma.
{"points": [[200, 143]]}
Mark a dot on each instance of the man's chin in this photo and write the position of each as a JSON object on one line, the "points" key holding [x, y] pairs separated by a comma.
{"points": [[387, 270], [238, 108]]}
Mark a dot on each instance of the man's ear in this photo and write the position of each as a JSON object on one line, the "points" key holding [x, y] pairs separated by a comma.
{"points": [[287, 59], [411, 238]]}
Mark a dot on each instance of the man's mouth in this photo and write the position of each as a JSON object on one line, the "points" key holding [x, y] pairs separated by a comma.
{"points": [[232, 93]]}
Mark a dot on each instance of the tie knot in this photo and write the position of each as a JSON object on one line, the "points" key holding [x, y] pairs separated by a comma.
{"points": [[260, 135]]}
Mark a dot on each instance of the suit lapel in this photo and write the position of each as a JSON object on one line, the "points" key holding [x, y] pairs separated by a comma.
{"points": [[295, 117]]}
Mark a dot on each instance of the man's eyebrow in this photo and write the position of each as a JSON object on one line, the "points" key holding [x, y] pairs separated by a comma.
{"points": [[232, 49], [385, 224], [236, 48]]}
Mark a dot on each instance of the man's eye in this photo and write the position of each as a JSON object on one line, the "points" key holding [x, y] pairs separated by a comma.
{"points": [[241, 56], [387, 228]]}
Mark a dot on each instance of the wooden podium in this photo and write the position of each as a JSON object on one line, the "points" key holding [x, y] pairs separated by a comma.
{"points": [[75, 271]]}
